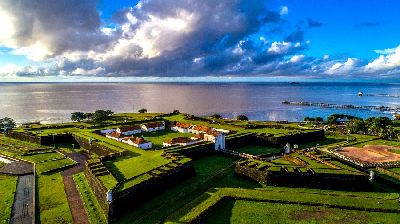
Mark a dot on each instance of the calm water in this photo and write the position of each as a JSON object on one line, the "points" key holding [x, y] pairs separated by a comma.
{"points": [[55, 102]]}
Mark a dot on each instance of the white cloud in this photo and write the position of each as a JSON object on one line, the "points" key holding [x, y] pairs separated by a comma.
{"points": [[284, 10], [35, 52], [297, 58], [326, 57], [279, 47], [82, 71], [343, 68], [389, 60]]}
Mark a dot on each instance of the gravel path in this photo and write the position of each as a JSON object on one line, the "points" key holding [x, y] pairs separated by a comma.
{"points": [[23, 208]]}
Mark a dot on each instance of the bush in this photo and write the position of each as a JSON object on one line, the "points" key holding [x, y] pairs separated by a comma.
{"points": [[242, 118], [142, 111]]}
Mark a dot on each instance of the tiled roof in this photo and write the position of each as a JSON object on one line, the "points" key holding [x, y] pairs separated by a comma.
{"points": [[129, 128]]}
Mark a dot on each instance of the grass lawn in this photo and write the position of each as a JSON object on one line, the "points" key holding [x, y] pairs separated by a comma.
{"points": [[52, 165], [242, 211], [158, 137], [258, 149], [212, 171], [8, 185], [130, 166], [289, 201], [92, 206], [52, 200], [37, 158]]}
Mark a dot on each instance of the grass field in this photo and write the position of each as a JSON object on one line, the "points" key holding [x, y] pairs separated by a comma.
{"points": [[127, 167], [242, 211], [92, 206], [52, 200], [302, 199], [258, 149], [8, 185], [212, 171]]}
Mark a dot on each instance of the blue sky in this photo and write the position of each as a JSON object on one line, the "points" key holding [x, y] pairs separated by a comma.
{"points": [[166, 40]]}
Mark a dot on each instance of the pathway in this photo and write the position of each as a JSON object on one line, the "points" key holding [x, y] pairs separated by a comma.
{"points": [[75, 202], [23, 208]]}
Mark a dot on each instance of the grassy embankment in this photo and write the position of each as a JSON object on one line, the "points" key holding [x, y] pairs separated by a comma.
{"points": [[8, 186], [52, 200], [291, 202], [92, 207]]}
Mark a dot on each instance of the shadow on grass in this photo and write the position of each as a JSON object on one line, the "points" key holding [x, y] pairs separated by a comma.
{"points": [[220, 213], [114, 170]]}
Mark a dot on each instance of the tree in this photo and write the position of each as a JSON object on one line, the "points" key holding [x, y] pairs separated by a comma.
{"points": [[397, 116], [142, 111], [318, 119], [7, 123], [356, 126], [242, 118], [216, 116], [101, 115], [176, 112], [78, 116], [307, 119]]}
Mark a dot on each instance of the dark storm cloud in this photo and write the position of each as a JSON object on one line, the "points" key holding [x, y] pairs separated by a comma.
{"points": [[62, 25], [221, 37]]}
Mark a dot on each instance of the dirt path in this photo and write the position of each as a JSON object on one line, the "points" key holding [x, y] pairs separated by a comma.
{"points": [[23, 209], [79, 214], [75, 202]]}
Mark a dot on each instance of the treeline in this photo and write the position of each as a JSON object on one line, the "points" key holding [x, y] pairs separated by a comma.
{"points": [[97, 117], [380, 126]]}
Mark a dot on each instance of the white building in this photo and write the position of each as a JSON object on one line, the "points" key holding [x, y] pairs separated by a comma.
{"points": [[183, 141], [108, 131], [181, 127], [139, 142], [153, 126], [129, 130], [116, 136]]}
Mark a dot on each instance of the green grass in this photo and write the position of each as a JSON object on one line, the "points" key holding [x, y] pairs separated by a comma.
{"points": [[309, 197], [37, 158], [52, 165], [212, 171], [109, 181], [242, 211], [2, 164], [8, 186], [258, 149], [52, 200], [127, 167], [158, 137], [92, 207]]}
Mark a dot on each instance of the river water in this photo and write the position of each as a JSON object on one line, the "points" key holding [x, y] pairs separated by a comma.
{"points": [[54, 102]]}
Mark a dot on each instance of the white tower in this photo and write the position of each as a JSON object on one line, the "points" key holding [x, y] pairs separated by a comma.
{"points": [[287, 148], [220, 141]]}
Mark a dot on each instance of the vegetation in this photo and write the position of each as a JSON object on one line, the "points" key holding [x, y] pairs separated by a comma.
{"points": [[242, 118], [380, 126], [6, 124], [216, 116], [92, 207], [78, 116], [142, 111], [355, 201], [7, 190], [52, 201], [335, 118], [316, 119]]}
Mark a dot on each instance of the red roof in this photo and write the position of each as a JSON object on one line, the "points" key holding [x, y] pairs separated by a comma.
{"points": [[114, 134], [182, 124], [129, 128], [178, 140], [154, 124]]}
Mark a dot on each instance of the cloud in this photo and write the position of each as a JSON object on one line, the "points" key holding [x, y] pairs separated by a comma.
{"points": [[343, 67], [313, 23], [297, 58], [284, 10], [388, 60]]}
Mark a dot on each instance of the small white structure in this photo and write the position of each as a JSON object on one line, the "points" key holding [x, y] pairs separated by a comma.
{"points": [[116, 136], [139, 142], [287, 148], [221, 130], [153, 126], [371, 175], [220, 141], [108, 131], [198, 129], [109, 196], [129, 130]]}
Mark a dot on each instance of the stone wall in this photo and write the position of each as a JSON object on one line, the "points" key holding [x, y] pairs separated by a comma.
{"points": [[98, 149]]}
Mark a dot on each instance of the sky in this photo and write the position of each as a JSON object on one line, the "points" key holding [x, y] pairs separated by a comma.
{"points": [[192, 40]]}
